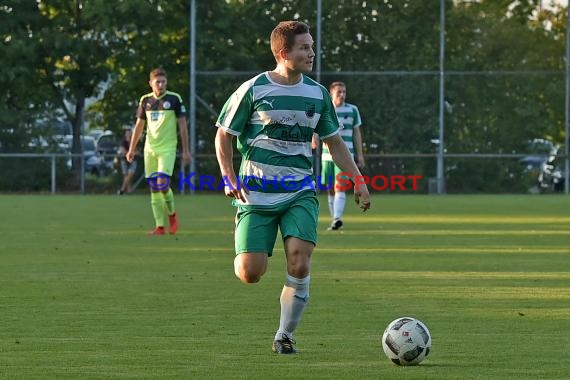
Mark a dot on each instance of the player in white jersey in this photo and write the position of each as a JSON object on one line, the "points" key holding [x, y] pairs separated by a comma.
{"points": [[273, 116], [350, 121]]}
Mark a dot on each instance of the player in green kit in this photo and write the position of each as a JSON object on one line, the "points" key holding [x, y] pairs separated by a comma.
{"points": [[162, 112], [350, 120], [273, 116]]}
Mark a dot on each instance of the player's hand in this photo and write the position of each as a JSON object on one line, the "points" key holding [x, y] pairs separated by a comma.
{"points": [[360, 162], [234, 189], [362, 197], [186, 158], [130, 156], [314, 142]]}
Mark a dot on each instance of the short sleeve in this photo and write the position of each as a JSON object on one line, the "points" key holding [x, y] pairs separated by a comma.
{"points": [[141, 114], [328, 124], [237, 111], [356, 117], [180, 109]]}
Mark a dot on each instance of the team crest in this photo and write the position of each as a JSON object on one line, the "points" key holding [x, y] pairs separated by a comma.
{"points": [[166, 105], [310, 109]]}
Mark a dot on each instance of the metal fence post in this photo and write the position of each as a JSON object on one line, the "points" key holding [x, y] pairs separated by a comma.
{"points": [[53, 174]]}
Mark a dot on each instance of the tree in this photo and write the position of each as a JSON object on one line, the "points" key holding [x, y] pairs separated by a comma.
{"points": [[75, 48], [85, 49], [24, 92]]}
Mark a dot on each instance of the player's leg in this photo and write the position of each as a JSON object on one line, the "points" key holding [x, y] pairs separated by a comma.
{"points": [[298, 227], [166, 166], [130, 176], [339, 202], [249, 267], [124, 172], [156, 197], [328, 180], [255, 236]]}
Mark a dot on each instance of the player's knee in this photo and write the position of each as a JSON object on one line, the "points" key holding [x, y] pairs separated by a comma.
{"points": [[246, 271], [299, 266], [246, 275], [248, 278]]}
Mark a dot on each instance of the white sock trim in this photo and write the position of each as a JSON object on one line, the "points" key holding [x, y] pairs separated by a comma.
{"points": [[339, 203]]}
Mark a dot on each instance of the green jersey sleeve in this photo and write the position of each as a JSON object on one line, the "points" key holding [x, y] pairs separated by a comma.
{"points": [[328, 123], [237, 111]]}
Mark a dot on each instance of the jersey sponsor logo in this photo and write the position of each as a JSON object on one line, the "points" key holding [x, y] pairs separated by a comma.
{"points": [[166, 105], [283, 132], [310, 109], [154, 115]]}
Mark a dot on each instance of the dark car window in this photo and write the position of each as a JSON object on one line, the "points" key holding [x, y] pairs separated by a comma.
{"points": [[88, 142], [107, 143]]}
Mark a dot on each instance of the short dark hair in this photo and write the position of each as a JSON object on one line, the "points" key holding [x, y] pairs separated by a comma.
{"points": [[283, 36], [159, 71]]}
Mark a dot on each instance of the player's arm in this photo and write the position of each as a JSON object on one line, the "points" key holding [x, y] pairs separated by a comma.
{"points": [[225, 154], [183, 128], [357, 138], [315, 141], [342, 157], [137, 132]]}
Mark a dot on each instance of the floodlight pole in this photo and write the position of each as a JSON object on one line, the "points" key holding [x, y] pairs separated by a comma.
{"points": [[318, 41], [566, 101], [317, 157], [440, 153], [192, 79]]}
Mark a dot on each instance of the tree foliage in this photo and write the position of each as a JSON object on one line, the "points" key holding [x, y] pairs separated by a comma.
{"points": [[504, 65]]}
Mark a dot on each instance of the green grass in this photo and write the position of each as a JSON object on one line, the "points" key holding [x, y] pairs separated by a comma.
{"points": [[85, 294]]}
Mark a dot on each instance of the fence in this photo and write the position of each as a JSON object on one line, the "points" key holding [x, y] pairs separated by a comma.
{"points": [[468, 112], [468, 129], [464, 173]]}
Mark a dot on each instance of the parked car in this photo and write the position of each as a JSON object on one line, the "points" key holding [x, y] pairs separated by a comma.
{"points": [[551, 177], [544, 166], [93, 162], [61, 128], [107, 148]]}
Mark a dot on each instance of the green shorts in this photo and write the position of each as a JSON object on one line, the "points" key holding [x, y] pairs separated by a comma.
{"points": [[329, 173], [256, 228], [159, 162]]}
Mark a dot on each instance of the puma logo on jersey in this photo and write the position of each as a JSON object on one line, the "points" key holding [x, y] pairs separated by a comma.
{"points": [[269, 103]]}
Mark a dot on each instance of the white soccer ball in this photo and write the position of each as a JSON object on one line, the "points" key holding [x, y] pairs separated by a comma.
{"points": [[406, 341]]}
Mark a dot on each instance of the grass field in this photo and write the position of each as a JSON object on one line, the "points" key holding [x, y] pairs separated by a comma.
{"points": [[85, 294]]}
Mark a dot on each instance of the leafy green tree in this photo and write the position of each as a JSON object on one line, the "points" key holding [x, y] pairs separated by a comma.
{"points": [[157, 36], [24, 92], [76, 51], [75, 48], [506, 87]]}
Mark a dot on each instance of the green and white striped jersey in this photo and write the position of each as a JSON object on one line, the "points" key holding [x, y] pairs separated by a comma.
{"points": [[274, 125], [349, 119]]}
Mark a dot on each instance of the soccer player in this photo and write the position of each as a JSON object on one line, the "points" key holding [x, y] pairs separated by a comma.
{"points": [[350, 121], [161, 111], [127, 168], [273, 116]]}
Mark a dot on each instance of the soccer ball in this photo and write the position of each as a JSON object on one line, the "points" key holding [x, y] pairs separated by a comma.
{"points": [[406, 341]]}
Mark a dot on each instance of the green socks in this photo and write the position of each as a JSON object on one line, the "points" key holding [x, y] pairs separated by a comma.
{"points": [[169, 201], [157, 203]]}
